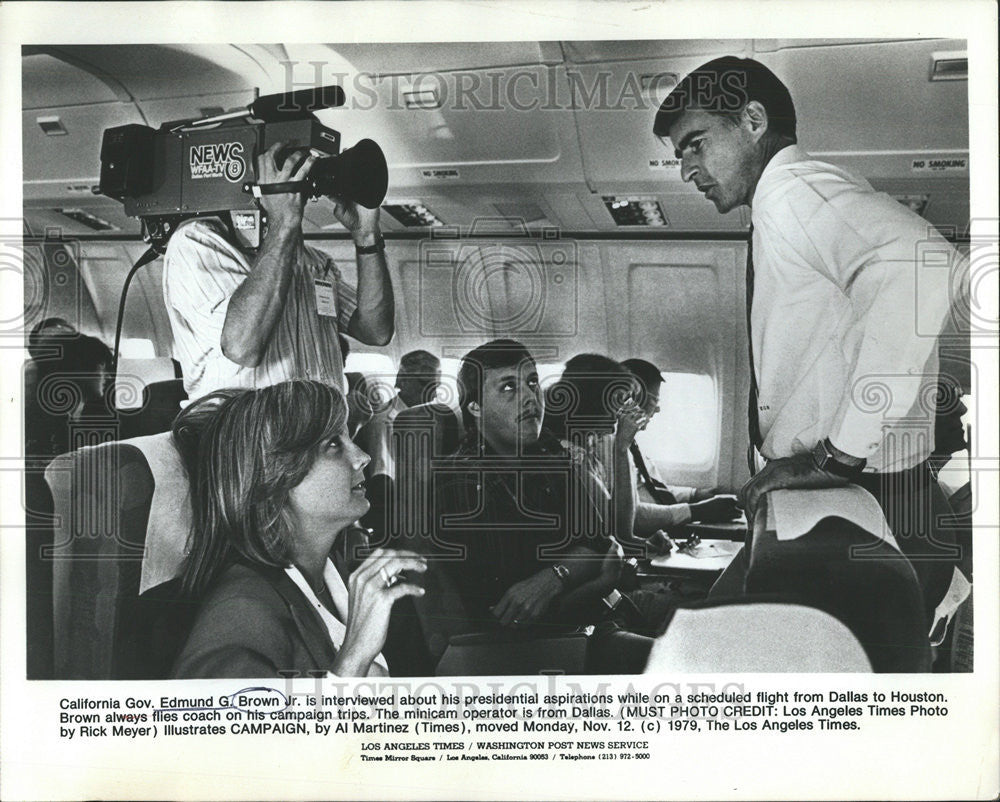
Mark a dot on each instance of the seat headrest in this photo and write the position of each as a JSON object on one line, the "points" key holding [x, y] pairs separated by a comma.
{"points": [[756, 637]]}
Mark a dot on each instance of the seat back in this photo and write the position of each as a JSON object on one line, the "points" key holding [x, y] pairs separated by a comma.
{"points": [[161, 401], [103, 628], [420, 436], [508, 654], [853, 575], [747, 636]]}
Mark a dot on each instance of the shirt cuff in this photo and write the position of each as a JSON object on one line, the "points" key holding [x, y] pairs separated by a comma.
{"points": [[683, 513]]}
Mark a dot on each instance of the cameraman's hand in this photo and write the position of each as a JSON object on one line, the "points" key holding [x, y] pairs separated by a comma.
{"points": [[284, 211], [715, 510], [361, 222]]}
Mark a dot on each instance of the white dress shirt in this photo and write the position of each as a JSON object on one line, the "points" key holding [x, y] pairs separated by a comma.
{"points": [[851, 290], [334, 623]]}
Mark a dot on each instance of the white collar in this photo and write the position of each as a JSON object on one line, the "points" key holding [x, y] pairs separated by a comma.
{"points": [[338, 592], [787, 155]]}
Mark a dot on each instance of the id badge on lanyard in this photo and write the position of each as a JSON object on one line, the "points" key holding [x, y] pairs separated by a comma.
{"points": [[326, 297]]}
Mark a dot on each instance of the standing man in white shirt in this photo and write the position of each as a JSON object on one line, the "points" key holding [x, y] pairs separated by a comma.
{"points": [[843, 307], [253, 321]]}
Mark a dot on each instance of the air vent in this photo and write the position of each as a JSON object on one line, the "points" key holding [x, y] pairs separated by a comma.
{"points": [[51, 126], [413, 215], [635, 211], [423, 99], [950, 66], [92, 222]]}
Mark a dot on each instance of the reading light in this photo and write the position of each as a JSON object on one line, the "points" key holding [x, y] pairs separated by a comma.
{"points": [[412, 214], [635, 211]]}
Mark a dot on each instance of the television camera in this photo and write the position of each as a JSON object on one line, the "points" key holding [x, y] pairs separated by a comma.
{"points": [[201, 166]]}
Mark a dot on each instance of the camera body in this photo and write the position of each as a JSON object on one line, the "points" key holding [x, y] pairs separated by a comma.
{"points": [[167, 175], [188, 168]]}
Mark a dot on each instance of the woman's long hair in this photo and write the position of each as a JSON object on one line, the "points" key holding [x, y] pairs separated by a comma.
{"points": [[244, 452]]}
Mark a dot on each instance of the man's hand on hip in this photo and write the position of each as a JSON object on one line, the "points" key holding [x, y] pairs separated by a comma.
{"points": [[787, 473]]}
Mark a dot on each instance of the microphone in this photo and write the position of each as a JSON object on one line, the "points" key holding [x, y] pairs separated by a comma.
{"points": [[297, 105]]}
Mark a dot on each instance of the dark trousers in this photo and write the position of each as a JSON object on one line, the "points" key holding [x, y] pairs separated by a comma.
{"points": [[918, 515]]}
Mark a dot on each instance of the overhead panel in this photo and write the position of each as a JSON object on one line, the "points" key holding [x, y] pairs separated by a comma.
{"points": [[54, 165], [73, 93], [612, 51], [871, 101], [411, 58], [918, 141], [47, 81], [151, 72]]}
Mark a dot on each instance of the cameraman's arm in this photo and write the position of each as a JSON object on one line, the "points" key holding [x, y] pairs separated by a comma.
{"points": [[257, 304], [373, 322]]}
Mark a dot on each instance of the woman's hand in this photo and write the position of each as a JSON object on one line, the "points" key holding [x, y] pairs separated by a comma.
{"points": [[631, 421], [372, 590]]}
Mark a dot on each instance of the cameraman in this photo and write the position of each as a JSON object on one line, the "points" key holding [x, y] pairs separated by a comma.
{"points": [[242, 323]]}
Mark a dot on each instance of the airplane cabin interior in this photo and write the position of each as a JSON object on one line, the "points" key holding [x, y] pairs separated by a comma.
{"points": [[527, 199]]}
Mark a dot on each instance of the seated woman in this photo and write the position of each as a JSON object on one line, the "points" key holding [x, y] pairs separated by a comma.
{"points": [[275, 479], [591, 411]]}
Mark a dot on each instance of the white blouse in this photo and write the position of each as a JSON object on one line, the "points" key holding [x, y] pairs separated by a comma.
{"points": [[334, 623]]}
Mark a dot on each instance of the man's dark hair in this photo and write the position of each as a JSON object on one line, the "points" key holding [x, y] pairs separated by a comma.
{"points": [[724, 86], [647, 374], [420, 364], [472, 372], [589, 393], [39, 332]]}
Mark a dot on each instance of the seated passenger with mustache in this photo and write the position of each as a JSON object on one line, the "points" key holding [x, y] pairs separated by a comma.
{"points": [[516, 505]]}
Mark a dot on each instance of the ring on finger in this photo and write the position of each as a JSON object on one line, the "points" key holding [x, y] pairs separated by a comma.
{"points": [[386, 577]]}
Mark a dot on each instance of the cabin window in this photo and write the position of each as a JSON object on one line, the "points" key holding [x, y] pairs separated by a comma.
{"points": [[448, 392], [686, 431], [374, 366], [137, 348]]}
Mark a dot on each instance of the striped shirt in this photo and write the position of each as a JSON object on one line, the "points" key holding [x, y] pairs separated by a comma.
{"points": [[201, 271]]}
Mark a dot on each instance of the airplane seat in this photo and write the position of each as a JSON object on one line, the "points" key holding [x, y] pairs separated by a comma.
{"points": [[39, 534], [843, 569], [161, 401], [103, 628], [755, 635], [420, 435]]}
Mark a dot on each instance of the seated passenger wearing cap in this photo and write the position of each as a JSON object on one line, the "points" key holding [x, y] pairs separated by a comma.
{"points": [[527, 540]]}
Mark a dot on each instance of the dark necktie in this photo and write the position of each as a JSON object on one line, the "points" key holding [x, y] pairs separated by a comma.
{"points": [[752, 415], [656, 488]]}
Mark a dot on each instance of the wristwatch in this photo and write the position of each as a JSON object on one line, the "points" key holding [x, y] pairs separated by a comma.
{"points": [[562, 572], [822, 455], [367, 250]]}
